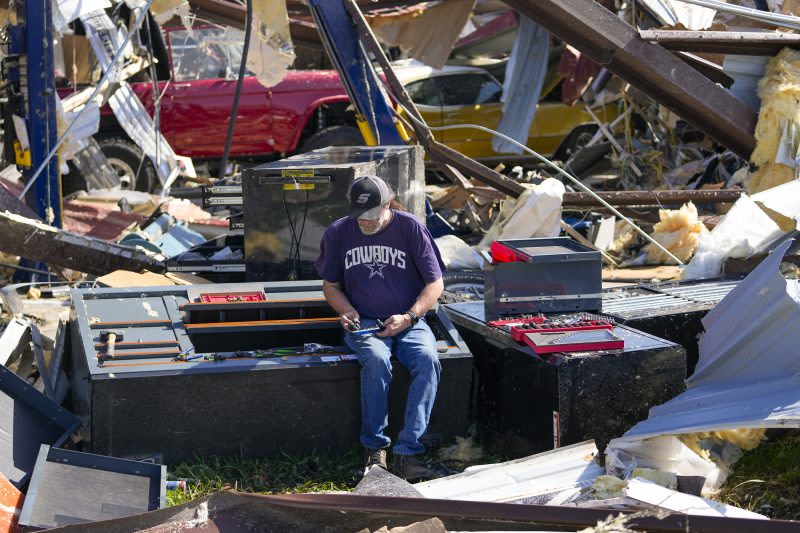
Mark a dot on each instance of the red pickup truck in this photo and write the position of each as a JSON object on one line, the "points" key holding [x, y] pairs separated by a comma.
{"points": [[308, 109]]}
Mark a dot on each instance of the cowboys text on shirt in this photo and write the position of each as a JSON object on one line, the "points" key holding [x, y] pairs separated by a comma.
{"points": [[375, 258]]}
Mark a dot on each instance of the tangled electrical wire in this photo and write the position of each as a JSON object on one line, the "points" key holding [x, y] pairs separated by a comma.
{"points": [[549, 163], [294, 247]]}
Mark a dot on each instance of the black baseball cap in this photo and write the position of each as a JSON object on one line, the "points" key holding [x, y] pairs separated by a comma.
{"points": [[366, 193]]}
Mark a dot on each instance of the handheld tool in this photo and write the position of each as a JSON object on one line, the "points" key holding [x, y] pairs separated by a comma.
{"points": [[355, 328], [110, 338]]}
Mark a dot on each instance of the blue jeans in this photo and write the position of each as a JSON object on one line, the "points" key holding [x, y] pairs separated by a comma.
{"points": [[415, 348]]}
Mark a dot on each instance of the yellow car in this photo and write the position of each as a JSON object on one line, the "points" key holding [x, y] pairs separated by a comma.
{"points": [[470, 95]]}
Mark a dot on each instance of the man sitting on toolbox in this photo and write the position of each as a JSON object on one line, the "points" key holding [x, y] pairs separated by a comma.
{"points": [[381, 269]]}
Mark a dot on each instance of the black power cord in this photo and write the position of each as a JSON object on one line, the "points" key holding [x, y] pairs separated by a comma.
{"points": [[248, 23]]}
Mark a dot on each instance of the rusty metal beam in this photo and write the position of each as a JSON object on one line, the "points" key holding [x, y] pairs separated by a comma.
{"points": [[616, 45], [352, 512], [751, 43], [39, 242], [623, 198], [710, 70], [474, 169]]}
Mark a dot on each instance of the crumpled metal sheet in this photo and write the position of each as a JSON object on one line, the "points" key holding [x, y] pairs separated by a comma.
{"points": [[748, 376], [67, 11], [543, 473], [675, 12], [129, 110]]}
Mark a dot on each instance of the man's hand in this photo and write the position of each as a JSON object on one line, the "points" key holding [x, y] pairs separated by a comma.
{"points": [[350, 317], [394, 325]]}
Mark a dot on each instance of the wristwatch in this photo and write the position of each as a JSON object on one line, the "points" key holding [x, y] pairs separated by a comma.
{"points": [[414, 316]]}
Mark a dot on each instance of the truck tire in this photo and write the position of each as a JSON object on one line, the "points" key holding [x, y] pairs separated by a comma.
{"points": [[333, 136], [577, 139], [462, 286], [126, 158]]}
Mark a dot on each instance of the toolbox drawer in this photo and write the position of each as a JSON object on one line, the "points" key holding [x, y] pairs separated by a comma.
{"points": [[553, 276]]}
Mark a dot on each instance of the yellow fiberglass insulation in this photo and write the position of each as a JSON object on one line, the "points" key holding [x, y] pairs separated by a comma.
{"points": [[779, 91], [626, 237], [679, 231], [770, 175], [746, 439]]}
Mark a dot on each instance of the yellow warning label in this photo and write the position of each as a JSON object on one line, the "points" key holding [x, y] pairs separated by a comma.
{"points": [[298, 186], [23, 157], [297, 173]]}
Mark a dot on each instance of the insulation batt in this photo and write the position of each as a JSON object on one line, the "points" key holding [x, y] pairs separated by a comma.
{"points": [[679, 231], [778, 128]]}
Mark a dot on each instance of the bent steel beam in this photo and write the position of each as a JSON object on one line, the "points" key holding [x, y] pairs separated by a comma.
{"points": [[616, 45]]}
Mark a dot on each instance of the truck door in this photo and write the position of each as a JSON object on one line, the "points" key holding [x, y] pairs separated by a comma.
{"points": [[205, 64]]}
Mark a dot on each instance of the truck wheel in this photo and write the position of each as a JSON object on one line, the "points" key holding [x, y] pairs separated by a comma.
{"points": [[464, 285], [333, 136], [126, 158], [577, 139]]}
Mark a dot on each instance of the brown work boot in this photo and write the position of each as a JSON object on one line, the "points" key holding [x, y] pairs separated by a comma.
{"points": [[374, 457], [411, 468]]}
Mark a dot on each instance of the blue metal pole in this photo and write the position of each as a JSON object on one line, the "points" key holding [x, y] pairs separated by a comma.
{"points": [[33, 41], [45, 195], [340, 37]]}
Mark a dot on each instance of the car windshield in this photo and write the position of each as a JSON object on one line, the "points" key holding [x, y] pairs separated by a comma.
{"points": [[423, 92], [206, 53], [468, 89]]}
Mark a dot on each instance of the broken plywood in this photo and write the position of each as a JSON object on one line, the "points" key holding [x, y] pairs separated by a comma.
{"points": [[126, 278], [39, 242]]}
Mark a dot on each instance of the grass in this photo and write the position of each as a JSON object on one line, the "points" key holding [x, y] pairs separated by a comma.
{"points": [[767, 479], [285, 474], [282, 475]]}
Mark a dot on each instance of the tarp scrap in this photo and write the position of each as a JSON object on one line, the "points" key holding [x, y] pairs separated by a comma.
{"points": [[420, 33], [536, 213], [744, 231], [522, 86], [271, 50]]}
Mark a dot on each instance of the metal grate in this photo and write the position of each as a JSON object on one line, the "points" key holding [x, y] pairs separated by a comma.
{"points": [[641, 304], [656, 299], [705, 293]]}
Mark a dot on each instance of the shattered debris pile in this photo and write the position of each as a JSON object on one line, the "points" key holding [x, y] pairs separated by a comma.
{"points": [[613, 189]]}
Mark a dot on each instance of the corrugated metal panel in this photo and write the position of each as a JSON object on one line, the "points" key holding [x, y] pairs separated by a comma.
{"points": [[747, 375], [706, 293]]}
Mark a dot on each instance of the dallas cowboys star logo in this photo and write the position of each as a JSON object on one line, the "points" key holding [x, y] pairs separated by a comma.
{"points": [[375, 268]]}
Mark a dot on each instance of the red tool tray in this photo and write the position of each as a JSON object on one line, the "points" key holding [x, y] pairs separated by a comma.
{"points": [[223, 297], [517, 321], [518, 332], [504, 254], [583, 340]]}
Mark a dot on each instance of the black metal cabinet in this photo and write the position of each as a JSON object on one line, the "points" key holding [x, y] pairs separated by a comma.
{"points": [[527, 403], [288, 204]]}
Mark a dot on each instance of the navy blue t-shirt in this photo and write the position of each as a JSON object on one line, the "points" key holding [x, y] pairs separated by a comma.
{"points": [[381, 274]]}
